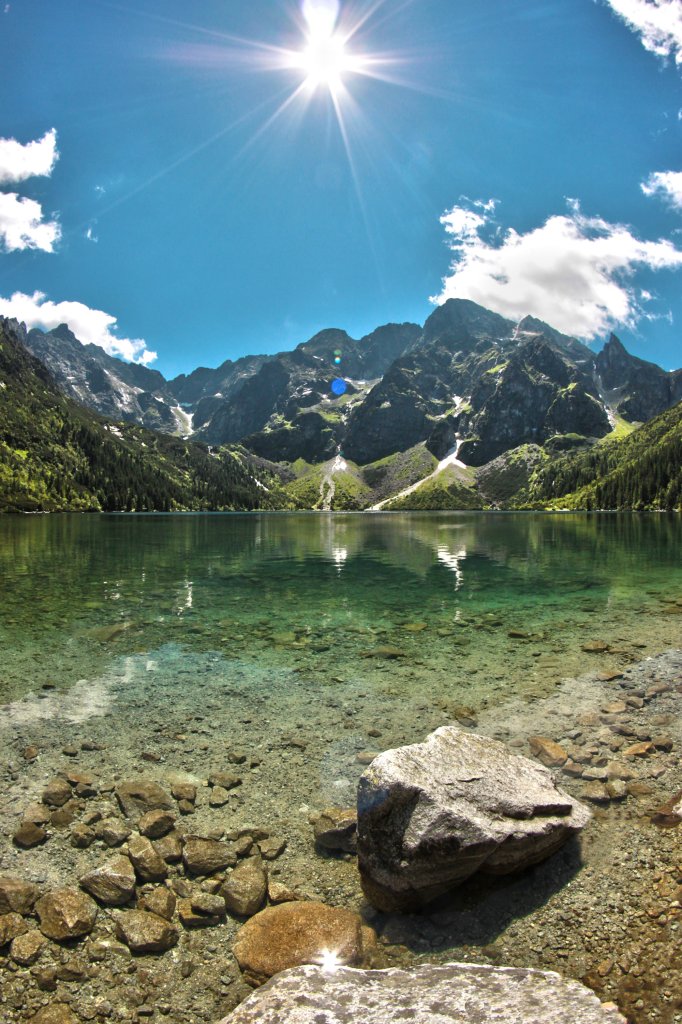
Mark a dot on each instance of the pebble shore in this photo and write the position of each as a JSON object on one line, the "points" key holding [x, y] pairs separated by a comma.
{"points": [[230, 819]]}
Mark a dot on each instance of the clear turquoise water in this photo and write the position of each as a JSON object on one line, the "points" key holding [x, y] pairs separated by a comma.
{"points": [[405, 604]]}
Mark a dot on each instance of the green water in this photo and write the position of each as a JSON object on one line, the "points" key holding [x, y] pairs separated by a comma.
{"points": [[407, 605]]}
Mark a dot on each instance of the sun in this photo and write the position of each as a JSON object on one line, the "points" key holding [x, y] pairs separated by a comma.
{"points": [[324, 62], [325, 59]]}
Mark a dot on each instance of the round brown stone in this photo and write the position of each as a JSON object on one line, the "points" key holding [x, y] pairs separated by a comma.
{"points": [[292, 934]]}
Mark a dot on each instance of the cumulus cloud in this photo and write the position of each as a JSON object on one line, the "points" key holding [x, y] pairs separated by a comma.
{"points": [[658, 22], [34, 159], [575, 272], [22, 225], [91, 326], [21, 220], [667, 184]]}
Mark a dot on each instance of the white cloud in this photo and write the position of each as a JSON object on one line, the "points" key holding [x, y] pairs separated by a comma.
{"points": [[659, 23], [21, 219], [667, 184], [35, 159], [575, 272], [91, 326], [22, 225]]}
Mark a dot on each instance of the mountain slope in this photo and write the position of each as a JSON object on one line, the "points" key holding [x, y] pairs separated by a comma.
{"points": [[468, 380], [55, 455], [640, 471], [638, 389], [86, 373]]}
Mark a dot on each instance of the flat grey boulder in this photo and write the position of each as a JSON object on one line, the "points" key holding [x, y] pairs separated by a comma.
{"points": [[433, 813], [429, 994]]}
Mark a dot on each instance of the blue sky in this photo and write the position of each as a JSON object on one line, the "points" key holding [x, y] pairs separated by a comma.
{"points": [[523, 153]]}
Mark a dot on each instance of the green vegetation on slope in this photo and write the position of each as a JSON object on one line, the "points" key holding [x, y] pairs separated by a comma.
{"points": [[501, 480], [307, 492], [447, 491], [57, 456], [394, 473], [641, 471]]}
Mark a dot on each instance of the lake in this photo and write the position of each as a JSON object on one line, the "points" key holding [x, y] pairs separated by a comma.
{"points": [[321, 596], [287, 649]]}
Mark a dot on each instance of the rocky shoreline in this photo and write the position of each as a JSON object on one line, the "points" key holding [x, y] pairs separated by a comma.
{"points": [[605, 911]]}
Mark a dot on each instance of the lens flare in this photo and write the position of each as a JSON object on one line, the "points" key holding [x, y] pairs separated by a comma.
{"points": [[339, 386], [329, 961]]}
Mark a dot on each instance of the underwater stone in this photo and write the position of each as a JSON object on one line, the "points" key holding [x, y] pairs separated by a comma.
{"points": [[66, 914], [113, 883], [138, 796], [245, 889], [292, 934], [144, 932]]}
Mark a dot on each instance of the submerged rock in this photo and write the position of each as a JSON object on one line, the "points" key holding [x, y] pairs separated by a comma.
{"points": [[433, 813], [336, 828], [245, 889], [292, 934], [148, 863], [144, 932], [26, 948], [549, 753], [57, 1013], [11, 925], [113, 883], [29, 835], [207, 856], [17, 895], [139, 796], [448, 994], [66, 914], [669, 814]]}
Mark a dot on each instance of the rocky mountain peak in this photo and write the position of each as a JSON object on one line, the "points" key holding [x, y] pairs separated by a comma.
{"points": [[461, 324]]}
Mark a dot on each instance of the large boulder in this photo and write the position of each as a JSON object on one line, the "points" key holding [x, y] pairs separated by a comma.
{"points": [[431, 814], [292, 934], [429, 994]]}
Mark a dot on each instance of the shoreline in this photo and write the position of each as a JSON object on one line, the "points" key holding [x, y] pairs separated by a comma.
{"points": [[569, 914]]}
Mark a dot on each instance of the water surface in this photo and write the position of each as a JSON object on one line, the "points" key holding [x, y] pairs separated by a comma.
{"points": [[420, 604]]}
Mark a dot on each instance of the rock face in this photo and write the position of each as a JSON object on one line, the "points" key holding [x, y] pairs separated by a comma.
{"points": [[448, 994], [431, 814], [292, 934], [66, 914]]}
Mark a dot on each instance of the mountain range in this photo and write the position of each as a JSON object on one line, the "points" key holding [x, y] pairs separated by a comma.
{"points": [[465, 411]]}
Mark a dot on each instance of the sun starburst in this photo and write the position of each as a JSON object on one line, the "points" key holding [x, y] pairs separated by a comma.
{"points": [[326, 59]]}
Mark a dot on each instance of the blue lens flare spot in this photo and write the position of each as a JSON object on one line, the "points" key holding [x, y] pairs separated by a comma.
{"points": [[339, 386], [337, 360]]}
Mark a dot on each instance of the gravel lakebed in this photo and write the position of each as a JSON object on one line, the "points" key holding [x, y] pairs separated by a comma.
{"points": [[249, 766]]}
